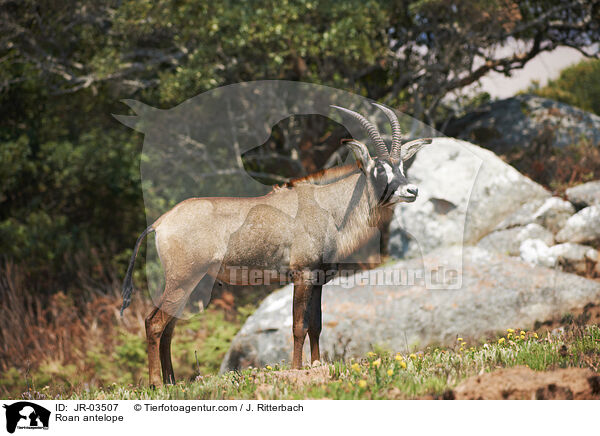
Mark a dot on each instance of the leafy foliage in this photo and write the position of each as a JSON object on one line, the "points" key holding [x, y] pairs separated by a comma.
{"points": [[69, 179], [578, 85]]}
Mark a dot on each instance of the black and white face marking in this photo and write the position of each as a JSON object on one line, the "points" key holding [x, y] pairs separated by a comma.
{"points": [[391, 185]]}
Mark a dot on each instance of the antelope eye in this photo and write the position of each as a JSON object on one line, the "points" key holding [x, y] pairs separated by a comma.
{"points": [[380, 175]]}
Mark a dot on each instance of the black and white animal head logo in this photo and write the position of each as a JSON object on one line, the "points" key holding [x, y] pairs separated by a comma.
{"points": [[26, 415]]}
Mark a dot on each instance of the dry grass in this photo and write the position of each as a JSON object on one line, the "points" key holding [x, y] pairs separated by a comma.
{"points": [[57, 327], [558, 170], [68, 340]]}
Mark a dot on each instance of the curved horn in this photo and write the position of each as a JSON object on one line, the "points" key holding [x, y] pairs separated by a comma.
{"points": [[380, 146], [396, 131]]}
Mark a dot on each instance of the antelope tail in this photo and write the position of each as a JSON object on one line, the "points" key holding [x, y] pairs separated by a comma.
{"points": [[128, 282]]}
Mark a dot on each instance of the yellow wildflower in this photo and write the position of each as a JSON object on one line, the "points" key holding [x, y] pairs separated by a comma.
{"points": [[509, 335], [269, 367], [362, 383], [413, 356], [535, 335], [376, 363], [461, 349], [501, 340], [390, 372], [459, 339], [522, 333], [355, 367], [371, 354], [399, 357], [403, 364], [510, 330]]}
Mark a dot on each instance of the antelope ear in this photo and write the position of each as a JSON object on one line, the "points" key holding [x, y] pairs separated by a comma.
{"points": [[410, 148], [363, 158]]}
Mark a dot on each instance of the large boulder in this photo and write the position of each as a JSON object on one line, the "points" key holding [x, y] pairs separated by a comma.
{"points": [[586, 194], [576, 258], [509, 241], [393, 310], [465, 191], [582, 227], [554, 213], [551, 213], [537, 252], [522, 216], [526, 122]]}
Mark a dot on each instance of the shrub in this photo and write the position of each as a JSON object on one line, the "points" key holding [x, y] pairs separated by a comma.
{"points": [[578, 85]]}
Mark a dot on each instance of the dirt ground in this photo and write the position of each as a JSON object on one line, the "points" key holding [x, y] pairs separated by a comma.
{"points": [[525, 384], [522, 383]]}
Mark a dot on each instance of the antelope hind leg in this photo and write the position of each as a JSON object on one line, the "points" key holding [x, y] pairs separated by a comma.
{"points": [[156, 322], [165, 353], [170, 306]]}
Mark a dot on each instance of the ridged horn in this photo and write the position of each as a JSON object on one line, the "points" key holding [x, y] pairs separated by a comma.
{"points": [[380, 146], [396, 131]]}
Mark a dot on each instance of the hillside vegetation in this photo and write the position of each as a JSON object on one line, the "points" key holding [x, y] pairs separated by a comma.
{"points": [[382, 374], [578, 85]]}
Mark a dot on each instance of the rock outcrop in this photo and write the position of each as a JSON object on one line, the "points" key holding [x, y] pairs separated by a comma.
{"points": [[582, 227], [526, 122], [372, 308], [586, 194], [465, 191], [509, 241]]}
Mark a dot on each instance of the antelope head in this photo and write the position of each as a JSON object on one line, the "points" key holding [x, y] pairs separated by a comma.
{"points": [[386, 171]]}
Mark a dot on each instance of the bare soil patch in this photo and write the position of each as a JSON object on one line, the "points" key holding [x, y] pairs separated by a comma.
{"points": [[522, 383]]}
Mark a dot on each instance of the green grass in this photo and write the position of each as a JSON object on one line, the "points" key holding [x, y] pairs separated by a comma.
{"points": [[380, 375]]}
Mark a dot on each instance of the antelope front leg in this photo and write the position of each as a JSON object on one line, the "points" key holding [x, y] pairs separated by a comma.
{"points": [[314, 322], [300, 317]]}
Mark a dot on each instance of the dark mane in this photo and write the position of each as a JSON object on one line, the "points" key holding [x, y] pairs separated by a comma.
{"points": [[323, 177]]}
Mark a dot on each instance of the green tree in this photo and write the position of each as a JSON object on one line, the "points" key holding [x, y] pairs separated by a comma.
{"points": [[578, 85]]}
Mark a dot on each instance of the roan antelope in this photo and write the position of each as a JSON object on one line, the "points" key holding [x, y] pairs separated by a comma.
{"points": [[293, 233]]}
